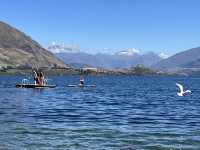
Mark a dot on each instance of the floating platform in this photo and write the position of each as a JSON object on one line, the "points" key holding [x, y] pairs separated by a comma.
{"points": [[34, 86]]}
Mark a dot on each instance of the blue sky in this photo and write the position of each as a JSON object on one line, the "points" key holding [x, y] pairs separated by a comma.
{"points": [[167, 26]]}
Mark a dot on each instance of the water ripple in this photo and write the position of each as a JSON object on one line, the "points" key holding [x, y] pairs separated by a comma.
{"points": [[122, 112]]}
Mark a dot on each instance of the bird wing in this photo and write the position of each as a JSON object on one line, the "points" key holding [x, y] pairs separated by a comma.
{"points": [[188, 91], [180, 87]]}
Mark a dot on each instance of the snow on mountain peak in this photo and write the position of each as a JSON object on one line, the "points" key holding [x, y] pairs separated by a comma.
{"points": [[129, 52], [63, 48], [163, 55]]}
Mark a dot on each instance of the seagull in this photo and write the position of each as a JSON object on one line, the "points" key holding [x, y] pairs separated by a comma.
{"points": [[182, 93]]}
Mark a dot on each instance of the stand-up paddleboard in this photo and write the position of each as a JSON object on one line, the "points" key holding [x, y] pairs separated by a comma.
{"points": [[34, 86], [79, 85]]}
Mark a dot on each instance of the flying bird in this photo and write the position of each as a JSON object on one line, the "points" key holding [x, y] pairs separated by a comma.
{"points": [[182, 92]]}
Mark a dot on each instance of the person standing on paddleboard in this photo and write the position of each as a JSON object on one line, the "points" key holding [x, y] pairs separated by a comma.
{"points": [[81, 81]]}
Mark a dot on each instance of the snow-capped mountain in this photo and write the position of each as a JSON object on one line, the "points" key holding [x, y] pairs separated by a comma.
{"points": [[122, 59], [129, 52], [163, 55], [188, 59], [63, 48]]}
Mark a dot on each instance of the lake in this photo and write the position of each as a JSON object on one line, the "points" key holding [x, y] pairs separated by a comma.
{"points": [[121, 112]]}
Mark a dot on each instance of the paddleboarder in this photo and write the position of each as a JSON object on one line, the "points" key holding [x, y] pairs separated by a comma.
{"points": [[81, 81]]}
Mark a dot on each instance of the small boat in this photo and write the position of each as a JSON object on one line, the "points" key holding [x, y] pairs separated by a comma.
{"points": [[34, 86]]}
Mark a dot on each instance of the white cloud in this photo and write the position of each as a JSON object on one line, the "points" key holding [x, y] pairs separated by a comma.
{"points": [[53, 43]]}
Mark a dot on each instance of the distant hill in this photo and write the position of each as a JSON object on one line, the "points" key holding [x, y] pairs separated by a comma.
{"points": [[186, 59], [19, 50], [78, 66], [122, 59]]}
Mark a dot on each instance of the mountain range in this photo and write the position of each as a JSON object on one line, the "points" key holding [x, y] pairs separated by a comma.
{"points": [[19, 50], [188, 59], [123, 59]]}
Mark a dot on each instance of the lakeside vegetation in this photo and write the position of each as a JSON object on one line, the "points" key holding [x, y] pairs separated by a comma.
{"points": [[138, 70]]}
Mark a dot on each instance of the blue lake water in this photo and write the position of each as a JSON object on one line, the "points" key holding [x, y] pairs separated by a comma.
{"points": [[122, 112]]}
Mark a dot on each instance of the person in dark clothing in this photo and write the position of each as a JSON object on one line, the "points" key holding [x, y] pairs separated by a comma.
{"points": [[36, 77], [81, 81]]}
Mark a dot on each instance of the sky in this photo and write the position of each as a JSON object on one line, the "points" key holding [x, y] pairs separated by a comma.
{"points": [[168, 26]]}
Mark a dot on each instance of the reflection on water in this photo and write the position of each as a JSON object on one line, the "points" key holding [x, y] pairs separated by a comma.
{"points": [[122, 112]]}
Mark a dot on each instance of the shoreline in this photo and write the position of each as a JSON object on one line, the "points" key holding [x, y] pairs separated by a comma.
{"points": [[71, 71]]}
